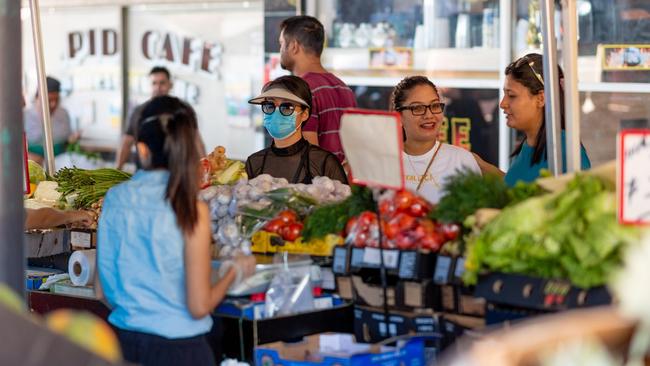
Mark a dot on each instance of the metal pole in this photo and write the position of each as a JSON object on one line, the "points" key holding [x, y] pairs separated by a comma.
{"points": [[12, 268], [505, 57], [551, 92], [42, 85], [571, 96]]}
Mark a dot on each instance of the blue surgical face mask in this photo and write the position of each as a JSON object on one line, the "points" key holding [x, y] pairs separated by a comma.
{"points": [[280, 127]]}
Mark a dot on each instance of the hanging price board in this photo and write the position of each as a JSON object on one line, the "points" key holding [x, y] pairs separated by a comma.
{"points": [[633, 182]]}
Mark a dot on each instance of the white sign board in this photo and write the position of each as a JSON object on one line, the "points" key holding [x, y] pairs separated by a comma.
{"points": [[633, 181], [372, 141], [215, 53]]}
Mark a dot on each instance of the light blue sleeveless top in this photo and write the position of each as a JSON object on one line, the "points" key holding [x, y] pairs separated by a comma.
{"points": [[140, 258]]}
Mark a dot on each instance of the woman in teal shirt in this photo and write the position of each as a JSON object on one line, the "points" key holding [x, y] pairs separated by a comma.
{"points": [[523, 104]]}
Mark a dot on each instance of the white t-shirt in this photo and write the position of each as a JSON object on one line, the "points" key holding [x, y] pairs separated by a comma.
{"points": [[449, 160]]}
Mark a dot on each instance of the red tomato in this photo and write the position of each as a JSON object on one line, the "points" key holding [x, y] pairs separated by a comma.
{"points": [[419, 207], [372, 243], [274, 225], [418, 232], [388, 244], [288, 216], [404, 241], [368, 218], [450, 231], [386, 208], [403, 200], [427, 225], [405, 222], [350, 225], [433, 241], [391, 228], [292, 231], [360, 239]]}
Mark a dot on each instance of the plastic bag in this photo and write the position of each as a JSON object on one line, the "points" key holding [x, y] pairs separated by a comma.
{"points": [[290, 291]]}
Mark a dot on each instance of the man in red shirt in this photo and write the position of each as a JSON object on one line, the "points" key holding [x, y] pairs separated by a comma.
{"points": [[301, 45]]}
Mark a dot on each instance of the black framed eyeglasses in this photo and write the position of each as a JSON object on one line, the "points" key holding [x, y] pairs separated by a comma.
{"points": [[421, 109], [286, 109]]}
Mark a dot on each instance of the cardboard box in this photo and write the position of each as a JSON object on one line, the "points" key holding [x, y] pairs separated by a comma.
{"points": [[339, 350], [537, 293], [370, 324], [418, 295], [355, 289], [242, 335], [45, 243], [83, 239]]}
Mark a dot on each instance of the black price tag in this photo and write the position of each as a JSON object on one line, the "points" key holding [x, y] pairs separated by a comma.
{"points": [[443, 269], [407, 264], [340, 263]]}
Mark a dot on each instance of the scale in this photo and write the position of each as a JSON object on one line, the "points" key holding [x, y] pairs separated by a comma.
{"points": [[265, 269]]}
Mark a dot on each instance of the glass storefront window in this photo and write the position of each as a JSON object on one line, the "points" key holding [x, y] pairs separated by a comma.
{"points": [[215, 53]]}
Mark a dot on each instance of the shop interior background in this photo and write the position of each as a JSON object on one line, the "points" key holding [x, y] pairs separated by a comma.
{"points": [[221, 52]]}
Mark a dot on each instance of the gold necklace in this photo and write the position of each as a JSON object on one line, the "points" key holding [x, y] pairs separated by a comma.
{"points": [[426, 171]]}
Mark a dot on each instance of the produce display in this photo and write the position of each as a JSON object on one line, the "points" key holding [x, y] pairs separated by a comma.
{"points": [[468, 191], [570, 235], [240, 210], [404, 224], [333, 218], [81, 188], [217, 169], [287, 224]]}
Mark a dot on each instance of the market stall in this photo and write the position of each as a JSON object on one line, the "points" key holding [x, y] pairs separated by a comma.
{"points": [[379, 261]]}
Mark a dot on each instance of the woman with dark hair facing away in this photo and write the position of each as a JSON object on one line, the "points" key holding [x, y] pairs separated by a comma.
{"points": [[523, 104], [427, 161], [153, 246], [286, 105]]}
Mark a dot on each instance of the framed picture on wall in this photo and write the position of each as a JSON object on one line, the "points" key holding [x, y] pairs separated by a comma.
{"points": [[395, 58], [618, 57]]}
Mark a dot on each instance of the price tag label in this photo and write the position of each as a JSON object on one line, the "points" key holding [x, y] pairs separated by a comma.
{"points": [[340, 263], [460, 268], [391, 258], [442, 271], [371, 257], [357, 258], [81, 239], [634, 177], [407, 264]]}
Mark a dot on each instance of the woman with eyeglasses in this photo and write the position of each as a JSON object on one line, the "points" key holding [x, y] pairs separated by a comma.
{"points": [[427, 162], [286, 105], [153, 250], [523, 104]]}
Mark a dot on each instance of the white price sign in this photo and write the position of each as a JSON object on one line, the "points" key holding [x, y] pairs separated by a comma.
{"points": [[633, 182]]}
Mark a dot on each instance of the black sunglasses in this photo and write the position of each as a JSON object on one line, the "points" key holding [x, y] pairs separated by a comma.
{"points": [[421, 109], [286, 108]]}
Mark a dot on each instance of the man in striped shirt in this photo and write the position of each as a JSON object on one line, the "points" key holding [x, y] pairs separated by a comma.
{"points": [[301, 45]]}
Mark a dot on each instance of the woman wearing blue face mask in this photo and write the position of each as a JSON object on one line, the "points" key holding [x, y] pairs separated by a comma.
{"points": [[286, 104]]}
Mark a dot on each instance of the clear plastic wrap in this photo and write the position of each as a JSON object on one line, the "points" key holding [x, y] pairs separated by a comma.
{"points": [[290, 291]]}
